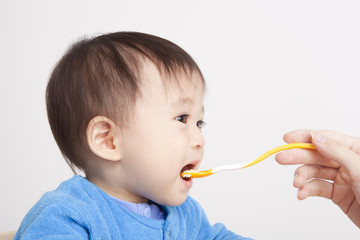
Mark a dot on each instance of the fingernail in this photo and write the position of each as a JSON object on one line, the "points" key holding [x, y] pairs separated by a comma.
{"points": [[318, 137]]}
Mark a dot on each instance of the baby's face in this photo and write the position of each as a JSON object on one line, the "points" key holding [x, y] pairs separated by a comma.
{"points": [[163, 139]]}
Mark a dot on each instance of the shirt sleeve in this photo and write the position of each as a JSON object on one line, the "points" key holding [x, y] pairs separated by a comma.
{"points": [[51, 222], [222, 233]]}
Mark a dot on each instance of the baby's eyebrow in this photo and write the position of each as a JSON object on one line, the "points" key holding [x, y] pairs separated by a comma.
{"points": [[182, 101]]}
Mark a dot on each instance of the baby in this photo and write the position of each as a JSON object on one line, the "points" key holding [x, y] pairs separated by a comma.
{"points": [[127, 110]]}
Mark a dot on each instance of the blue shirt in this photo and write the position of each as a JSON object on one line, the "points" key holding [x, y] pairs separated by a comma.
{"points": [[80, 210]]}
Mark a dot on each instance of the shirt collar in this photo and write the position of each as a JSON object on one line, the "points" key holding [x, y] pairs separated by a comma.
{"points": [[149, 209]]}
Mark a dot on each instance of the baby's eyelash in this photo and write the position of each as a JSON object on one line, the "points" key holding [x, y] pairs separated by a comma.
{"points": [[200, 124], [182, 118]]}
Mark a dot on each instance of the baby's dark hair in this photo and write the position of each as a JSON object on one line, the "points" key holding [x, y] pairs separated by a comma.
{"points": [[101, 76]]}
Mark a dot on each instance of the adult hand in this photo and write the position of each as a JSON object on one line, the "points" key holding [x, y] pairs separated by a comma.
{"points": [[332, 171]]}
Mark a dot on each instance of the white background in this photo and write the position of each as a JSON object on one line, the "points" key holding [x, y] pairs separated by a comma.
{"points": [[270, 66]]}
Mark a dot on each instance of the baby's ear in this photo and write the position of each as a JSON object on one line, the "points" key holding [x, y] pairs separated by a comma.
{"points": [[103, 138]]}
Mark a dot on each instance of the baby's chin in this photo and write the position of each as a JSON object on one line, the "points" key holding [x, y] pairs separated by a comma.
{"points": [[171, 202]]}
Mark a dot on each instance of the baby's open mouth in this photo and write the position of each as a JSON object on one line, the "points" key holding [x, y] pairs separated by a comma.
{"points": [[186, 177]]}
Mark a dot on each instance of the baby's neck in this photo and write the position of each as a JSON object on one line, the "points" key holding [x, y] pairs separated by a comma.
{"points": [[115, 189]]}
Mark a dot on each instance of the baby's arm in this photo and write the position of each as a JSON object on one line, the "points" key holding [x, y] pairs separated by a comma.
{"points": [[222, 233]]}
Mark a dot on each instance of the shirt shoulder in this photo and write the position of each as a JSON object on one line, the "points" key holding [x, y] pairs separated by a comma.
{"points": [[64, 211]]}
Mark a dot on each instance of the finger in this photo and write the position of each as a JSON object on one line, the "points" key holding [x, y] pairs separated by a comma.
{"points": [[338, 148], [306, 135], [317, 188], [302, 135], [303, 156], [345, 140], [308, 172]]}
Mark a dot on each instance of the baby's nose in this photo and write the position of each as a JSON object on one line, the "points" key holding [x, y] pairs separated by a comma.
{"points": [[198, 140]]}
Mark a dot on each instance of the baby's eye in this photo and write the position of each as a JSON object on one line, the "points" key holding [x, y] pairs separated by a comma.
{"points": [[200, 124], [182, 118]]}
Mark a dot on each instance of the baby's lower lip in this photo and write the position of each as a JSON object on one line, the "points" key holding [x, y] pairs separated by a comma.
{"points": [[187, 182]]}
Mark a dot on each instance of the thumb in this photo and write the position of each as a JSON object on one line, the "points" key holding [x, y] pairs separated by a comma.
{"points": [[337, 147]]}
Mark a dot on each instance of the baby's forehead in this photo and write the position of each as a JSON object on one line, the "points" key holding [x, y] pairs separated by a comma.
{"points": [[170, 81], [169, 92]]}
